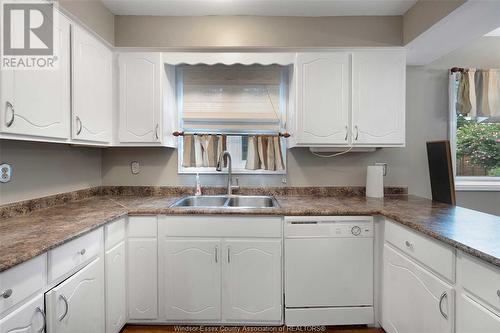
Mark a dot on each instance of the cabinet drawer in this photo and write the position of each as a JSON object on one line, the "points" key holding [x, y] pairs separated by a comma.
{"points": [[69, 256], [114, 233], [438, 257], [480, 279], [22, 281], [142, 226]]}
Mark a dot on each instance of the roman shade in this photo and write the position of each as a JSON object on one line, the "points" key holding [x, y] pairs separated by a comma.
{"points": [[231, 98]]}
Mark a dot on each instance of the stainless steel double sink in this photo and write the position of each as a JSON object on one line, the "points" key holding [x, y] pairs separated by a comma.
{"points": [[226, 202]]}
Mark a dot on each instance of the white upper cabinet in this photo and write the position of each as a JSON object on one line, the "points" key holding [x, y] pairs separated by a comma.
{"points": [[349, 98], [92, 89], [252, 280], [140, 97], [322, 98], [35, 104], [378, 98]]}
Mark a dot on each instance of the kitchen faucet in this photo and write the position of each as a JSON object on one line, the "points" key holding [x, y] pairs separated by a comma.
{"points": [[229, 169]]}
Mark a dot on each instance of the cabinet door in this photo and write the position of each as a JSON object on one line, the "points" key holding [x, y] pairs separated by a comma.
{"points": [[252, 280], [77, 304], [472, 317], [142, 278], [191, 279], [378, 98], [322, 98], [140, 97], [92, 88], [37, 102], [115, 288], [30, 318], [414, 300]]}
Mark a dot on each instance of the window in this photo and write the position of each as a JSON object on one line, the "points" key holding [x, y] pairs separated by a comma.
{"points": [[475, 128], [226, 100]]}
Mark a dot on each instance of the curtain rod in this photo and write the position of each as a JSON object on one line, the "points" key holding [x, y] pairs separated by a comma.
{"points": [[284, 134], [458, 69]]}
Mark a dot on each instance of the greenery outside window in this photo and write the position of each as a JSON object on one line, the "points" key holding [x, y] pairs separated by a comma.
{"points": [[475, 130]]}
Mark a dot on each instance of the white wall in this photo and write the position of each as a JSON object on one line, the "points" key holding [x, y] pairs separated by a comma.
{"points": [[41, 169]]}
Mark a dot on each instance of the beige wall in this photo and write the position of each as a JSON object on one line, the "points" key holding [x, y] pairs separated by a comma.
{"points": [[41, 169], [254, 31], [94, 15], [424, 14], [159, 167]]}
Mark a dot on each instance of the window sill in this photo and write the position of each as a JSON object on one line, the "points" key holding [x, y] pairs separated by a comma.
{"points": [[464, 184]]}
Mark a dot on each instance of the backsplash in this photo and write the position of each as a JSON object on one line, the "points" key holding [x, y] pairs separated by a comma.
{"points": [[28, 206]]}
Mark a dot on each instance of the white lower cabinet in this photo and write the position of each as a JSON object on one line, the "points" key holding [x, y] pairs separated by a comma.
{"points": [[142, 279], [116, 315], [192, 281], [29, 318], [77, 304], [209, 273], [252, 280], [414, 300], [472, 317], [142, 271]]}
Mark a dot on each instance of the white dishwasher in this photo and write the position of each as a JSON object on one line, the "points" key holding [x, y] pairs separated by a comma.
{"points": [[328, 270]]}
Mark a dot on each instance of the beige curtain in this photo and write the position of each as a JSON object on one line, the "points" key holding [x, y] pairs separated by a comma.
{"points": [[202, 150], [264, 152], [478, 93]]}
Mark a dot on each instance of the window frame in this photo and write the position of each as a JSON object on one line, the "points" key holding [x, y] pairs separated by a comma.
{"points": [[464, 183], [232, 140]]}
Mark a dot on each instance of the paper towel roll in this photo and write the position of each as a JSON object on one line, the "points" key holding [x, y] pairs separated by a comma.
{"points": [[375, 181]]}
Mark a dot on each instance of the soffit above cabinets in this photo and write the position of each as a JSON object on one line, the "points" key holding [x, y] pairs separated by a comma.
{"points": [[259, 7]]}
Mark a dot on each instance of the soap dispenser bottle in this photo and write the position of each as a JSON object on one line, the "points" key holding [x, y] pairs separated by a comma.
{"points": [[198, 185]]}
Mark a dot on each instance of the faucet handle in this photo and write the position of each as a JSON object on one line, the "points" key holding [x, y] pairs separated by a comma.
{"points": [[237, 186]]}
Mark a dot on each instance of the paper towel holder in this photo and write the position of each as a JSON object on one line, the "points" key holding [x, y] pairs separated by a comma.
{"points": [[384, 165]]}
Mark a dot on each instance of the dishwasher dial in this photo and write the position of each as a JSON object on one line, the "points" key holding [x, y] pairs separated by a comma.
{"points": [[356, 231]]}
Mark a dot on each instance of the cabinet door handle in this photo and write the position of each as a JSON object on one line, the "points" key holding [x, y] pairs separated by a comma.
{"points": [[216, 254], [156, 131], [346, 133], [8, 105], [79, 125], [228, 254], [66, 308], [408, 244], [42, 329], [357, 132], [498, 292], [443, 296], [82, 252], [6, 293]]}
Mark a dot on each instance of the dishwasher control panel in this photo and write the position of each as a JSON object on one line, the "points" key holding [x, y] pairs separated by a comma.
{"points": [[332, 228]]}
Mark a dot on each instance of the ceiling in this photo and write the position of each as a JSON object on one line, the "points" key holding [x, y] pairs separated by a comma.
{"points": [[259, 7]]}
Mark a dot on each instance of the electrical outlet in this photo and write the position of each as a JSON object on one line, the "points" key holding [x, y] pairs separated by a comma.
{"points": [[135, 167], [5, 173]]}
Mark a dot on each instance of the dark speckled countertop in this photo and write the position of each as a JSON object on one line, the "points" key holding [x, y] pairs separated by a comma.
{"points": [[23, 237]]}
